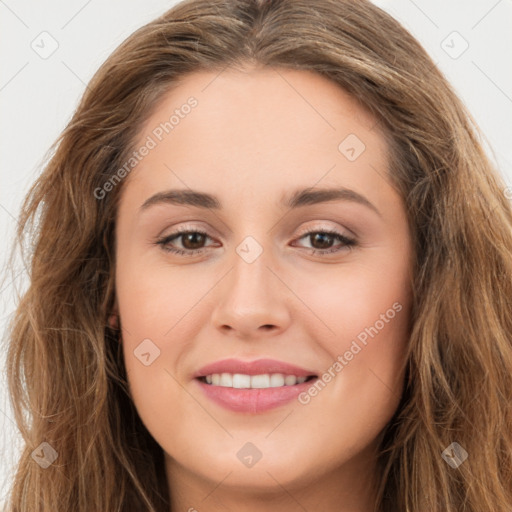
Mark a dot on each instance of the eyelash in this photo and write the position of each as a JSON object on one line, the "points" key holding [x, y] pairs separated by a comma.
{"points": [[346, 241]]}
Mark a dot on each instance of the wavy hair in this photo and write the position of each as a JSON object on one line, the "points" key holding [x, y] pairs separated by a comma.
{"points": [[66, 377]]}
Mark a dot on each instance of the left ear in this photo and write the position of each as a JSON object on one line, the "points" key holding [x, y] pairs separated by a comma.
{"points": [[113, 319]]}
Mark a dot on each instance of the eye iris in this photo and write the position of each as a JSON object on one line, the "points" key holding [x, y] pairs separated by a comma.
{"points": [[193, 238], [324, 238]]}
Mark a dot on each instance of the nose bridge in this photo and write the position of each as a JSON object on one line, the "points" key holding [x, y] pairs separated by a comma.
{"points": [[251, 295], [251, 275]]}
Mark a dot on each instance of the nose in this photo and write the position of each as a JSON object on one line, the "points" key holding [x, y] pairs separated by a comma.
{"points": [[252, 301]]}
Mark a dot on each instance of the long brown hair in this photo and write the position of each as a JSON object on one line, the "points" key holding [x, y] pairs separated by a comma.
{"points": [[66, 376]]}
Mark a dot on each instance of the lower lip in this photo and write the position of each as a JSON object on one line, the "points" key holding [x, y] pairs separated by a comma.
{"points": [[253, 400]]}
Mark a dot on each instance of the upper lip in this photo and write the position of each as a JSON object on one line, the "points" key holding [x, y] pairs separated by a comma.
{"points": [[257, 367]]}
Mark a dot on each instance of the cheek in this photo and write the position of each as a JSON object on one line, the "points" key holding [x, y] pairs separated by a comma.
{"points": [[153, 298], [361, 386], [159, 308], [357, 301], [361, 319]]}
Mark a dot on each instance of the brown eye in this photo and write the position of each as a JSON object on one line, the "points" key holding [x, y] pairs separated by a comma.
{"points": [[192, 242], [322, 241]]}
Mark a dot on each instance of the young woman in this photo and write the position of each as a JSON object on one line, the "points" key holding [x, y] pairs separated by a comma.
{"points": [[271, 269]]}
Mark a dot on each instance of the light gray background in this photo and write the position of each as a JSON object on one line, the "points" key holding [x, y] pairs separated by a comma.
{"points": [[38, 96]]}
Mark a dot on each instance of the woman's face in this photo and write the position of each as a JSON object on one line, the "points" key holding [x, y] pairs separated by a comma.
{"points": [[297, 256]]}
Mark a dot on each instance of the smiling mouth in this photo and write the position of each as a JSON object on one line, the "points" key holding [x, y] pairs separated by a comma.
{"points": [[262, 381]]}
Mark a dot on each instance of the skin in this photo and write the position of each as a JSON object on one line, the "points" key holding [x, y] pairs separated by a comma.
{"points": [[256, 135]]}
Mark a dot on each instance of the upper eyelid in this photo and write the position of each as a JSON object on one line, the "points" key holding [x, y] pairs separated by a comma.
{"points": [[333, 231], [344, 230]]}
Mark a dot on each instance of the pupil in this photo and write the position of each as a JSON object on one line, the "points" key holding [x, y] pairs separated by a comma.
{"points": [[191, 237], [322, 237]]}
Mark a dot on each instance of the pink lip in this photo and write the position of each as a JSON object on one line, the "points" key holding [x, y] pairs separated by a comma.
{"points": [[252, 400], [258, 367]]}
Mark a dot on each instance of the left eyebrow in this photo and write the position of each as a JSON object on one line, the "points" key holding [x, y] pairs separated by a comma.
{"points": [[308, 196], [297, 199], [183, 197]]}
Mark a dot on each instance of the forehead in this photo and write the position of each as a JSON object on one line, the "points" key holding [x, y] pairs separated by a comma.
{"points": [[263, 129], [258, 97]]}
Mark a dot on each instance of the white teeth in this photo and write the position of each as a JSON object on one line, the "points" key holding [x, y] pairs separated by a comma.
{"points": [[242, 381], [260, 381], [276, 380], [226, 380], [290, 380]]}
